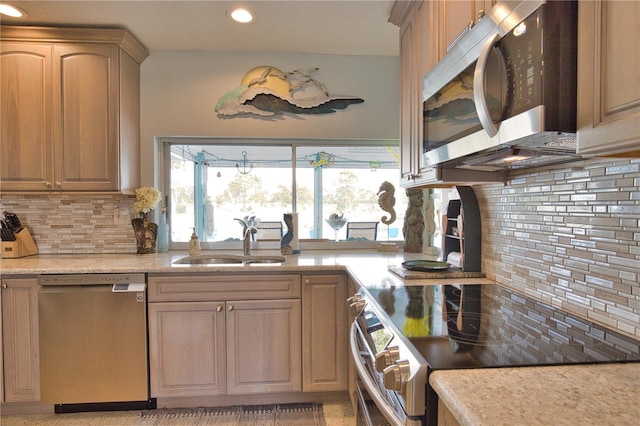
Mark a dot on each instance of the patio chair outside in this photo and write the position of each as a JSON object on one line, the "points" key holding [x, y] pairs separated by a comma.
{"points": [[269, 231], [366, 230]]}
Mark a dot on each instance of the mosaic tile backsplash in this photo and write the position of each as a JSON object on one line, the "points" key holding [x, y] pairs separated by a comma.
{"points": [[568, 237], [76, 223]]}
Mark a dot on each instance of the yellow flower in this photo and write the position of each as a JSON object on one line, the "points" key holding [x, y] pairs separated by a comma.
{"points": [[146, 199]]}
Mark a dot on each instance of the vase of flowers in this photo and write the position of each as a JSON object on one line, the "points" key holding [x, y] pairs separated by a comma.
{"points": [[146, 232]]}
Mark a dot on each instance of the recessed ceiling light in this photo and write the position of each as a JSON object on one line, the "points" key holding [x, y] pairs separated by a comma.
{"points": [[241, 15], [12, 11]]}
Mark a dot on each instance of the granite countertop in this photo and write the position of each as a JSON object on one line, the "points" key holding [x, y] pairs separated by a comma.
{"points": [[603, 394], [369, 268]]}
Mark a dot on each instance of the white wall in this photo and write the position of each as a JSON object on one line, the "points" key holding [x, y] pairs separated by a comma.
{"points": [[179, 91]]}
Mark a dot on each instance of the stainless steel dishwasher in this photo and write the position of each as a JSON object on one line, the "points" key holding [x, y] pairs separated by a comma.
{"points": [[93, 342]]}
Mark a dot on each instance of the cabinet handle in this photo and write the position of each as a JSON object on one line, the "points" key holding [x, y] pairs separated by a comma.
{"points": [[219, 308], [230, 308], [47, 184], [58, 184]]}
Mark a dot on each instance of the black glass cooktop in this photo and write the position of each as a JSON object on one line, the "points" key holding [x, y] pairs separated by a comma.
{"points": [[474, 326]]}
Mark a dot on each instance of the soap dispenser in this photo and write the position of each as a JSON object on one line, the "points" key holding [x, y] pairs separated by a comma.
{"points": [[194, 244]]}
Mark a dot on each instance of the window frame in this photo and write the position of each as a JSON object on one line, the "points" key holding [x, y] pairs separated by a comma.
{"points": [[163, 164]]}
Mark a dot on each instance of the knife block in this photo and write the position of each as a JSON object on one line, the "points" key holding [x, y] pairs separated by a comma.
{"points": [[23, 246]]}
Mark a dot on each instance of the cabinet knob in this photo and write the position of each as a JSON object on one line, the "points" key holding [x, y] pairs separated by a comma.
{"points": [[47, 184], [219, 309], [306, 281], [58, 184], [3, 285], [230, 308]]}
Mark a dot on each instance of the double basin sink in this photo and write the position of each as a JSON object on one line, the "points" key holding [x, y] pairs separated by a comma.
{"points": [[229, 259]]}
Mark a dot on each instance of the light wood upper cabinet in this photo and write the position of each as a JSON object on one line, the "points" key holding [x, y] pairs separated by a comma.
{"points": [[86, 119], [609, 78], [455, 17], [324, 333], [21, 356], [26, 111], [71, 121], [418, 54], [409, 100]]}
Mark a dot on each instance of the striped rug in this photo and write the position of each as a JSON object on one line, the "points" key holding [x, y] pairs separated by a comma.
{"points": [[307, 414]]}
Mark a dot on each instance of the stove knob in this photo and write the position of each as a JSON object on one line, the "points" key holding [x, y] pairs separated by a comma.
{"points": [[387, 357], [394, 376], [356, 307], [354, 298]]}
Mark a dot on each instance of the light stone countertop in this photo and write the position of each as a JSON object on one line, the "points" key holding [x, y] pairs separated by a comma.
{"points": [[604, 394], [369, 268]]}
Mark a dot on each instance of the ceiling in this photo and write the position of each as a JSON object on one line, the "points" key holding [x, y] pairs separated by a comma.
{"points": [[337, 27]]}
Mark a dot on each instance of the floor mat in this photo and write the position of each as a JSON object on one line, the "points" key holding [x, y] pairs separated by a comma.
{"points": [[307, 414]]}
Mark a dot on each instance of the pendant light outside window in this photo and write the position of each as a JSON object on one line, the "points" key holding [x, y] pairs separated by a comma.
{"points": [[242, 15]]}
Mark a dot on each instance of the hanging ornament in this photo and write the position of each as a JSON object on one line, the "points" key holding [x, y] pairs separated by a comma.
{"points": [[323, 159], [245, 170]]}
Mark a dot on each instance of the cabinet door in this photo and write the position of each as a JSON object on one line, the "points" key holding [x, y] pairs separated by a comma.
{"points": [[20, 340], [454, 18], [609, 78], [263, 346], [187, 349], [418, 54], [25, 111], [324, 333], [409, 100], [85, 117]]}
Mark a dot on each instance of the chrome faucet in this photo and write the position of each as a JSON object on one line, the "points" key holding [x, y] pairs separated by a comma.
{"points": [[247, 231]]}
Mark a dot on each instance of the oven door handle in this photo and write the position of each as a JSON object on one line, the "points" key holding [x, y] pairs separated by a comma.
{"points": [[371, 388]]}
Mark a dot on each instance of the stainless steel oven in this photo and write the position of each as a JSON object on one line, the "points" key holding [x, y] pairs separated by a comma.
{"points": [[390, 373], [402, 333]]}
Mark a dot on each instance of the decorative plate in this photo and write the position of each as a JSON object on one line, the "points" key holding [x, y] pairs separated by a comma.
{"points": [[425, 265]]}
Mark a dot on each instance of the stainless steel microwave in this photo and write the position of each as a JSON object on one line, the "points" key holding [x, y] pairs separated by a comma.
{"points": [[504, 96]]}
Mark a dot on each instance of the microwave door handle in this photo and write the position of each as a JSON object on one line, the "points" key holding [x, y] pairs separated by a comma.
{"points": [[367, 381], [479, 98]]}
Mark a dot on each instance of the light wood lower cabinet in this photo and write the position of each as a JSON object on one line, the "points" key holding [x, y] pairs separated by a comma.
{"points": [[187, 348], [445, 417], [237, 344], [324, 333], [20, 349], [263, 346]]}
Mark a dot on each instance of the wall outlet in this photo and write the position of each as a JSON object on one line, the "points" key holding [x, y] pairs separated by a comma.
{"points": [[121, 216]]}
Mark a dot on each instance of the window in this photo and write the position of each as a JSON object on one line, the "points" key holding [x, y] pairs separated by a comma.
{"points": [[211, 184]]}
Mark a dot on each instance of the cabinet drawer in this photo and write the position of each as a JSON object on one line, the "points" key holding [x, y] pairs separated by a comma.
{"points": [[223, 287]]}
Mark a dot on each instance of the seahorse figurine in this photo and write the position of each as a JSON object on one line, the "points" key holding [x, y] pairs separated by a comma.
{"points": [[285, 243], [386, 201]]}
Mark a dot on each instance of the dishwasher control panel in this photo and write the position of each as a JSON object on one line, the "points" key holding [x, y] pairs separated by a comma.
{"points": [[118, 282], [128, 287]]}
